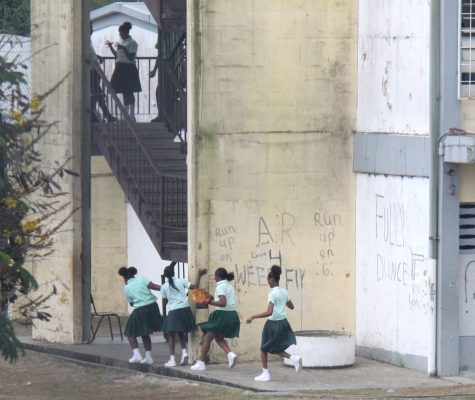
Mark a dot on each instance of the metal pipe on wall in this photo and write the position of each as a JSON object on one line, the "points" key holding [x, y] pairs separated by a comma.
{"points": [[434, 132]]}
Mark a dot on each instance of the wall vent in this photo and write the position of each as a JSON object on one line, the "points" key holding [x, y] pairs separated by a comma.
{"points": [[467, 228]]}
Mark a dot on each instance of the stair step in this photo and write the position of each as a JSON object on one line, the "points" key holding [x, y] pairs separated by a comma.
{"points": [[169, 158]]}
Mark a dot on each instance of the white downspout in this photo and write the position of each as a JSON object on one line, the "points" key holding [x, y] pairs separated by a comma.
{"points": [[434, 132]]}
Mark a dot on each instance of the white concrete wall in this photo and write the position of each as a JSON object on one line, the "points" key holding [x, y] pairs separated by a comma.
{"points": [[392, 285], [392, 296], [393, 66], [108, 238]]}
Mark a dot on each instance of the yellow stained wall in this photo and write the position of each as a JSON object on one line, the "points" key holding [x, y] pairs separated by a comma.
{"points": [[57, 55], [109, 238], [272, 105], [467, 171]]}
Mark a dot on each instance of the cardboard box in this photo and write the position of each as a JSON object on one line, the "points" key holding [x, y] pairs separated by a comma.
{"points": [[199, 296]]}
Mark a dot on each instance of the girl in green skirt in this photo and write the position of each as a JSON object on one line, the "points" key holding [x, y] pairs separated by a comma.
{"points": [[222, 323], [277, 334], [146, 317], [179, 320]]}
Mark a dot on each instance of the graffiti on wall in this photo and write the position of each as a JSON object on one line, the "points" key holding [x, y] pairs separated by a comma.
{"points": [[327, 226], [395, 260], [467, 295], [273, 238]]}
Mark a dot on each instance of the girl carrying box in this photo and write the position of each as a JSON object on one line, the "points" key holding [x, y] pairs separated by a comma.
{"points": [[179, 320], [277, 334], [222, 323]]}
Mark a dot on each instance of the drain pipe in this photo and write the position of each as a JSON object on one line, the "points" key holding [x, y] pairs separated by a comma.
{"points": [[434, 132]]}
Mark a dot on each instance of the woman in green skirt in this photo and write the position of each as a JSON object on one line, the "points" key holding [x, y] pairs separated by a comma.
{"points": [[179, 320], [277, 334], [222, 323], [146, 317]]}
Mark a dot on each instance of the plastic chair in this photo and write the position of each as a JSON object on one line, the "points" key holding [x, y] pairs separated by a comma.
{"points": [[102, 315]]}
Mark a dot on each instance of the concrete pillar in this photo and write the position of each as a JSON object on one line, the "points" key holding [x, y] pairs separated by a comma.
{"points": [[57, 55], [270, 161]]}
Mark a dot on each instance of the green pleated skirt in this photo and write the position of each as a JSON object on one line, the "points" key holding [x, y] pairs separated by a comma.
{"points": [[144, 321], [225, 323], [179, 321], [277, 336]]}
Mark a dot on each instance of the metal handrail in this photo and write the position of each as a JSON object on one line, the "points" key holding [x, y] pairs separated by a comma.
{"points": [[143, 100], [148, 180], [173, 88], [127, 118]]}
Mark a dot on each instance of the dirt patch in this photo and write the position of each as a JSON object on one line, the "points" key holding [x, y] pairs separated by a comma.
{"points": [[43, 377]]}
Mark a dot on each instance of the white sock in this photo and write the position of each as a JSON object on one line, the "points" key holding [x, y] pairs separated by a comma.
{"points": [[265, 371], [172, 358], [200, 362], [231, 354], [148, 354], [136, 352], [184, 352]]}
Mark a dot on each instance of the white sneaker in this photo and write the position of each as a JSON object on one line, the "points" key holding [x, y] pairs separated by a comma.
{"points": [[184, 359], [199, 366], [136, 359], [146, 360], [232, 359], [170, 363], [297, 363], [264, 377]]}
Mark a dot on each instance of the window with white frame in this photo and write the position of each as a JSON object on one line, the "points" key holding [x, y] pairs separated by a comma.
{"points": [[467, 49]]}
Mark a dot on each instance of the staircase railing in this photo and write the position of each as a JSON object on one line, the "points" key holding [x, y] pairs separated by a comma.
{"points": [[146, 105], [172, 88], [161, 197]]}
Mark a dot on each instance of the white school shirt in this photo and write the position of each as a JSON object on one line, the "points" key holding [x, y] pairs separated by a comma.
{"points": [[131, 46]]}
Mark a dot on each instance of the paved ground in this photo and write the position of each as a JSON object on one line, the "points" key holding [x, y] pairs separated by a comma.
{"points": [[366, 378]]}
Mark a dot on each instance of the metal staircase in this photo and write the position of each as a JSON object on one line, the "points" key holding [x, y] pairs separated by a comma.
{"points": [[151, 169], [146, 158]]}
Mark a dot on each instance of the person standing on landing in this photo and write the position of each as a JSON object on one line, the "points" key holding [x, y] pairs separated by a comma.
{"points": [[151, 74], [179, 320], [277, 335], [146, 317], [125, 78], [223, 323]]}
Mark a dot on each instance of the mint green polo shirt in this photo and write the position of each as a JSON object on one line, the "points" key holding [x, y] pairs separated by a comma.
{"points": [[177, 298], [224, 288], [279, 298], [137, 292]]}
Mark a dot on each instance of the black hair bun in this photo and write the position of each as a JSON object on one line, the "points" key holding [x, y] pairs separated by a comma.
{"points": [[122, 271], [276, 270], [132, 271], [126, 26]]}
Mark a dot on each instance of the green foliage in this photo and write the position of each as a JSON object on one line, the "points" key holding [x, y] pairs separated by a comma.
{"points": [[29, 199], [15, 17], [10, 346]]}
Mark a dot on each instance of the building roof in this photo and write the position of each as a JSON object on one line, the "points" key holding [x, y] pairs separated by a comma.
{"points": [[14, 48], [137, 10]]}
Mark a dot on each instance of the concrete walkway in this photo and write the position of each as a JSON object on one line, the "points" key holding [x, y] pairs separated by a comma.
{"points": [[365, 374]]}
